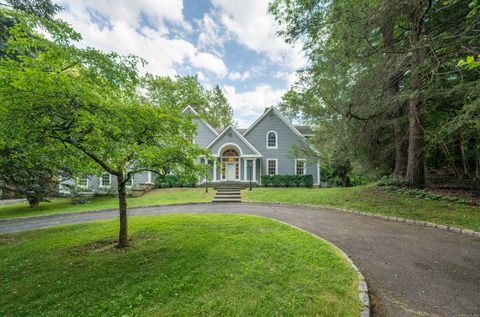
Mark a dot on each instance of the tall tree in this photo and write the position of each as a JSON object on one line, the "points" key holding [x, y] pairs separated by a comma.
{"points": [[187, 91], [87, 100]]}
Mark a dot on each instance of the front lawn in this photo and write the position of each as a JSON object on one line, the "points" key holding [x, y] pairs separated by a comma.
{"points": [[177, 265], [156, 197], [374, 200]]}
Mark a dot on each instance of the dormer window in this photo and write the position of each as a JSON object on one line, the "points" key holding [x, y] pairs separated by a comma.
{"points": [[272, 140]]}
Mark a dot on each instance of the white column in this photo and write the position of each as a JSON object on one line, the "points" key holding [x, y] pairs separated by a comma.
{"points": [[245, 171], [149, 177], [214, 169], [318, 173], [254, 170]]}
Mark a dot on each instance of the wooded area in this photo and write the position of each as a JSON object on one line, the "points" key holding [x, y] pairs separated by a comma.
{"points": [[392, 86]]}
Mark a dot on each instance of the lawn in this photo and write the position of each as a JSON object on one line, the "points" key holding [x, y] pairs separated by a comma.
{"points": [[371, 199], [156, 197], [177, 265]]}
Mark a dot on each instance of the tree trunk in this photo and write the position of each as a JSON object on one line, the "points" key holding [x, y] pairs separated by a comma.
{"points": [[393, 87], [33, 202], [401, 151], [416, 140], [122, 200]]}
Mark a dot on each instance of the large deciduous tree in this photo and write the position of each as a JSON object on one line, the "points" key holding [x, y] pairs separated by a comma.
{"points": [[88, 101], [187, 91]]}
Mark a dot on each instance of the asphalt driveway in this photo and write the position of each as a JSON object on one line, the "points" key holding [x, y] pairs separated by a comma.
{"points": [[410, 270]]}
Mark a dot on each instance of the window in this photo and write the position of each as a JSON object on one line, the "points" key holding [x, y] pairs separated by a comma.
{"points": [[105, 180], [82, 182], [300, 167], [272, 166], [272, 139], [129, 183]]}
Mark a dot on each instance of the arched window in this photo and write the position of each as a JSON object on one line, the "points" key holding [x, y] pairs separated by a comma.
{"points": [[272, 140]]}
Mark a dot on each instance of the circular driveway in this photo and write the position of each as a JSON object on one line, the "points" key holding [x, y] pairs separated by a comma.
{"points": [[410, 270]]}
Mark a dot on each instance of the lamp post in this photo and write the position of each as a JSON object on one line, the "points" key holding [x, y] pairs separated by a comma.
{"points": [[250, 167]]}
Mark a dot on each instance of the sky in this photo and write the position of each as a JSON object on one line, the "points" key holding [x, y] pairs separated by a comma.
{"points": [[230, 43]]}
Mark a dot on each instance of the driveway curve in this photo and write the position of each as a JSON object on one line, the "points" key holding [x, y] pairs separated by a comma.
{"points": [[410, 270]]}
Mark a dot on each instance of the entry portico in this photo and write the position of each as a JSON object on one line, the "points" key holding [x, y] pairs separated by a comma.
{"points": [[235, 157]]}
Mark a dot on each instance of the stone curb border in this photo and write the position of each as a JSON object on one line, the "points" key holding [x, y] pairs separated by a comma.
{"points": [[462, 231], [362, 284]]}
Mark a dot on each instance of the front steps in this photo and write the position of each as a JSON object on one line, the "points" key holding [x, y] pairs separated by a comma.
{"points": [[227, 195]]}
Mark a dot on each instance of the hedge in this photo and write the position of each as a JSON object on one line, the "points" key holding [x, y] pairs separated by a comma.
{"points": [[287, 180], [168, 181]]}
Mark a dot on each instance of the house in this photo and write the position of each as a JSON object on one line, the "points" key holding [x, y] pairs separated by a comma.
{"points": [[266, 147]]}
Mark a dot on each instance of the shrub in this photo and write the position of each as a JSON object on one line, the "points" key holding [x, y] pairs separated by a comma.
{"points": [[287, 180], [168, 181]]}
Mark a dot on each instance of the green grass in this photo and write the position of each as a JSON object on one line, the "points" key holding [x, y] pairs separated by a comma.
{"points": [[156, 197], [374, 200], [177, 265]]}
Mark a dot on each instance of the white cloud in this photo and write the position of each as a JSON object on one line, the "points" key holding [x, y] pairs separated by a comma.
{"points": [[127, 33], [252, 25], [211, 36], [249, 105], [239, 76], [210, 62]]}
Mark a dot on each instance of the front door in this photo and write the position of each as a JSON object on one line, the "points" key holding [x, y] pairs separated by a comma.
{"points": [[231, 172]]}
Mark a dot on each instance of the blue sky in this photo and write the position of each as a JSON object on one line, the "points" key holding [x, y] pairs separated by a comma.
{"points": [[230, 43]]}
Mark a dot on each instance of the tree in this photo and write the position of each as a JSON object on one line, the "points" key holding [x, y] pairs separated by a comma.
{"points": [[385, 69], [87, 101], [187, 91]]}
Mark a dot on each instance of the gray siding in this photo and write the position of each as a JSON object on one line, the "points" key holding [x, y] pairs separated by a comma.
{"points": [[204, 134], [231, 137], [286, 140]]}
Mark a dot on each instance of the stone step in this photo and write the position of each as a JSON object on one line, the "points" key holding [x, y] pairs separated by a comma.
{"points": [[227, 200], [228, 193]]}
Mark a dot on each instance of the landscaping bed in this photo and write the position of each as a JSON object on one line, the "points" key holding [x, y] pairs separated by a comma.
{"points": [[182, 265]]}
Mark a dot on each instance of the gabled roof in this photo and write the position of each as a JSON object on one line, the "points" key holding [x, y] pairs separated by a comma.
{"points": [[304, 129], [274, 110], [240, 136], [192, 110]]}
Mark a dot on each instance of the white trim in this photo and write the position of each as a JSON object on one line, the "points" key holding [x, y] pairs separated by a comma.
{"points": [[100, 183], [318, 172], [276, 140], [215, 170], [257, 153], [229, 144], [304, 166], [131, 182], [245, 170], [200, 118], [279, 114], [276, 166], [82, 186]]}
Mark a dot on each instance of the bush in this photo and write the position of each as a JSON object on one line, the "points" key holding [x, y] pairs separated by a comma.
{"points": [[168, 181], [287, 180]]}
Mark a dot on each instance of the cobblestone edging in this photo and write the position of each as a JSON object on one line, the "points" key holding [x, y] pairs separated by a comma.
{"points": [[362, 284], [462, 231]]}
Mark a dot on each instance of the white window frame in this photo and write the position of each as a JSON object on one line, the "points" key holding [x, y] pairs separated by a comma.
{"points": [[82, 178], [109, 182], [276, 166], [304, 166], [276, 140], [131, 182]]}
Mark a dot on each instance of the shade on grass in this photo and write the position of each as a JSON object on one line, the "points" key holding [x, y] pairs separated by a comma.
{"points": [[376, 201], [156, 197], [178, 265]]}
